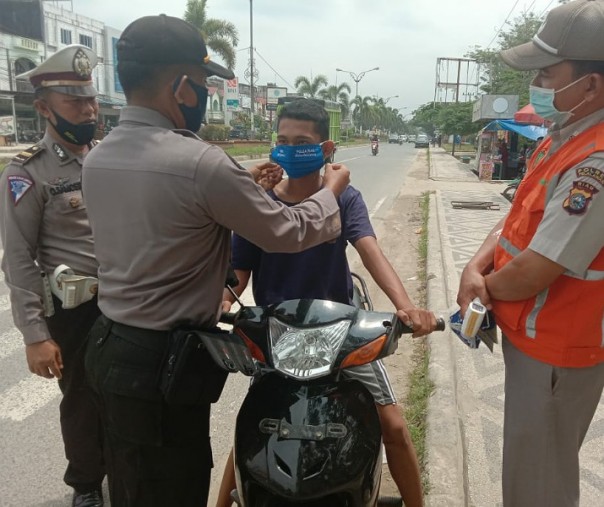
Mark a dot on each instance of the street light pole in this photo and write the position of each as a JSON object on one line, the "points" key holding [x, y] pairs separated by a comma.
{"points": [[357, 77], [252, 130]]}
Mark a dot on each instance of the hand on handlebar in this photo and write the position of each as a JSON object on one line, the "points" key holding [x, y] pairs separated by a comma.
{"points": [[422, 322]]}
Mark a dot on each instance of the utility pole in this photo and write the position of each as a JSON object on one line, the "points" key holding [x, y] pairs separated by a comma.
{"points": [[252, 129]]}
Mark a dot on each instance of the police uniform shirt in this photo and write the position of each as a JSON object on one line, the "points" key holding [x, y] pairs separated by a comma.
{"points": [[571, 231], [162, 206], [43, 219]]}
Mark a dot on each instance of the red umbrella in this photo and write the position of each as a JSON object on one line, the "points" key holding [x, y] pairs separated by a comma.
{"points": [[528, 116]]}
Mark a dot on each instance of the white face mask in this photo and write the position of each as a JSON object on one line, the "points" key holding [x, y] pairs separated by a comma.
{"points": [[542, 100]]}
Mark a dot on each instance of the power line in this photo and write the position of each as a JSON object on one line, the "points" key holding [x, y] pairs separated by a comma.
{"points": [[547, 7], [503, 24], [276, 73]]}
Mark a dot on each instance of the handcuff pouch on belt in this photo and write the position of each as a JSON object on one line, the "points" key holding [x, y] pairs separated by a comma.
{"points": [[190, 375], [72, 289]]}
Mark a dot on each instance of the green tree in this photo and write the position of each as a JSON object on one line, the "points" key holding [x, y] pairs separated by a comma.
{"points": [[220, 36], [310, 88], [339, 93], [495, 76]]}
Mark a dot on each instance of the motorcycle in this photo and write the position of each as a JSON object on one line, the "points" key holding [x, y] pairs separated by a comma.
{"points": [[306, 435], [374, 148]]}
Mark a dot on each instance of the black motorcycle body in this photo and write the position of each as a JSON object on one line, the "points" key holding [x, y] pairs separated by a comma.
{"points": [[374, 148], [307, 435]]}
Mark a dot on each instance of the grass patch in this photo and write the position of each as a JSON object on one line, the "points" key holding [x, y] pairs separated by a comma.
{"points": [[252, 151], [421, 387]]}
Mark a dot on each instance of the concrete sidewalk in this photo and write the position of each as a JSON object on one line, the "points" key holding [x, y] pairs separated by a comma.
{"points": [[465, 415]]}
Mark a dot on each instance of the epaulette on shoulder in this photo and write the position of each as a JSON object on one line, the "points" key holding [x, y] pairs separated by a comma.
{"points": [[26, 155]]}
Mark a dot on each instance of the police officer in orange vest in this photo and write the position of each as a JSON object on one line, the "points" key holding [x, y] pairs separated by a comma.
{"points": [[542, 267]]}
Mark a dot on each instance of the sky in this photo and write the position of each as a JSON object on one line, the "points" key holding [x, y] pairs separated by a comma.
{"points": [[404, 38]]}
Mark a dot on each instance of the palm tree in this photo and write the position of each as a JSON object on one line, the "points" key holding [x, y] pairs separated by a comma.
{"points": [[338, 94], [220, 36], [308, 88], [364, 114]]}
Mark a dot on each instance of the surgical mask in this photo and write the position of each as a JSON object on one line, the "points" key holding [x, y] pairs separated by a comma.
{"points": [[300, 160], [542, 100], [78, 134], [193, 115]]}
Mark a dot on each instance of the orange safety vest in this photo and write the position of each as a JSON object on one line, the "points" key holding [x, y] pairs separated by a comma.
{"points": [[564, 324]]}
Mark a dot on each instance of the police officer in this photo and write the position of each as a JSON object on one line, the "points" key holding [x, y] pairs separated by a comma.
{"points": [[162, 205], [542, 267], [44, 225]]}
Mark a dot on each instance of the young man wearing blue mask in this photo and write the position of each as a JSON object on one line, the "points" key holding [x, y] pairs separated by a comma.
{"points": [[542, 266], [322, 272]]}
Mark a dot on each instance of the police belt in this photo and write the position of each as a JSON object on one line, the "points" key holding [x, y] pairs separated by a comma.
{"points": [[72, 289]]}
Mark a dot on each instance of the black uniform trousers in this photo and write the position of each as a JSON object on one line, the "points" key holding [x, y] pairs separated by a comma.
{"points": [[79, 415], [158, 454]]}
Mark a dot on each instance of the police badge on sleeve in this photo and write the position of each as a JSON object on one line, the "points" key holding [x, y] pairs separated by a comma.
{"points": [[18, 187], [579, 197]]}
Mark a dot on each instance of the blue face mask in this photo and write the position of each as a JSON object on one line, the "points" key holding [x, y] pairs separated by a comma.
{"points": [[542, 100], [193, 115], [298, 161]]}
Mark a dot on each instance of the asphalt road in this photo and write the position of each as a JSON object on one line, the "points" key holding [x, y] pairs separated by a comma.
{"points": [[31, 453]]}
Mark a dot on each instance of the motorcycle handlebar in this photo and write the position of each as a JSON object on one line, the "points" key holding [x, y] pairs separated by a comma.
{"points": [[441, 325]]}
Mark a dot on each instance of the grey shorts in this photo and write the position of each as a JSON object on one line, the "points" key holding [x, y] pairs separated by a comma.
{"points": [[375, 378]]}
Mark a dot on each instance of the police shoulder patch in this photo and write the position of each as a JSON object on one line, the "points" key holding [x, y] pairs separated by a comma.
{"points": [[579, 197], [26, 155], [18, 187], [591, 173]]}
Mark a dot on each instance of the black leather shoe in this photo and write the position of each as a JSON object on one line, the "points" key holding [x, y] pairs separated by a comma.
{"points": [[90, 499]]}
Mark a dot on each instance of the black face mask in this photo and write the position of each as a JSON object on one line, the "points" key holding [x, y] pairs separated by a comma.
{"points": [[193, 115], [79, 134]]}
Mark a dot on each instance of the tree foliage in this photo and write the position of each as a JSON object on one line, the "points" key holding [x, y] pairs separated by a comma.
{"points": [[310, 88], [220, 36], [495, 76]]}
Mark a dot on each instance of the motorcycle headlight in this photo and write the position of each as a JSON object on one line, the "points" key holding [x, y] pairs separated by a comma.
{"points": [[308, 352]]}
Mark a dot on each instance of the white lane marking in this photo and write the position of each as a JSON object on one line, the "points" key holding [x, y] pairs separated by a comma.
{"points": [[346, 160], [4, 302], [9, 342], [28, 396], [377, 207]]}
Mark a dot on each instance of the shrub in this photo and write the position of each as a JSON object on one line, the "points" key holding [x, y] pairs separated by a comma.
{"points": [[215, 132]]}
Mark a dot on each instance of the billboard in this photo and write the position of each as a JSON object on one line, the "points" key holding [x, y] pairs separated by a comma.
{"points": [[231, 94], [22, 17], [273, 94]]}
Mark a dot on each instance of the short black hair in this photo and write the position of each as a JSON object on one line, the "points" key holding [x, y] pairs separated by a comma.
{"points": [[135, 76], [584, 67], [306, 110]]}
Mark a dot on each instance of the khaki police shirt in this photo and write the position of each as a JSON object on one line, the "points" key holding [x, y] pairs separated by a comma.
{"points": [[43, 224], [162, 207], [572, 235]]}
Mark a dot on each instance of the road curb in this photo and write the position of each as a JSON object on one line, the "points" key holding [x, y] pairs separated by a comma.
{"points": [[444, 441]]}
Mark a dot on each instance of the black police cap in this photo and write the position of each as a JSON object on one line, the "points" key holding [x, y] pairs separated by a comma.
{"points": [[167, 40]]}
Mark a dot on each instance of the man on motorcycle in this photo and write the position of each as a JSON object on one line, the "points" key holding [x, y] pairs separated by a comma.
{"points": [[322, 272]]}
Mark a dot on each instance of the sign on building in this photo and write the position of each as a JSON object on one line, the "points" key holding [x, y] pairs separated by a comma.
{"points": [[272, 97], [7, 125], [232, 94]]}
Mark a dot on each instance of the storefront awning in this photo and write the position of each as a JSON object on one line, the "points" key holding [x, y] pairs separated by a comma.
{"points": [[532, 132]]}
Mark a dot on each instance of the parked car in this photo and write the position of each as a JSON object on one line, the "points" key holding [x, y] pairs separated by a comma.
{"points": [[422, 141], [393, 138], [239, 133], [411, 138], [403, 138]]}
